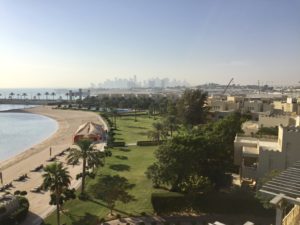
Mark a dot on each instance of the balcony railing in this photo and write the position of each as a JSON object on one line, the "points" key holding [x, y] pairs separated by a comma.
{"points": [[292, 217]]}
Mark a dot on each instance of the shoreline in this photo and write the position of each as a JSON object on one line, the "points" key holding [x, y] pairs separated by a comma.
{"points": [[68, 122], [26, 152]]}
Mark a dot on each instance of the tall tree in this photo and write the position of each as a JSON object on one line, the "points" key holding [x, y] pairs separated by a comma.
{"points": [[91, 158], [192, 108], [46, 94], [157, 133], [171, 123], [57, 180]]}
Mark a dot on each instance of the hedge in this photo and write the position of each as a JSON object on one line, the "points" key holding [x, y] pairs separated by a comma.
{"points": [[239, 202], [118, 144], [148, 143], [19, 215]]}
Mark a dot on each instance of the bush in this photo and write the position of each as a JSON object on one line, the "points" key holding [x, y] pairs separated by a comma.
{"points": [[147, 143], [23, 193], [17, 192], [118, 144], [19, 215], [239, 202], [143, 214], [83, 196]]}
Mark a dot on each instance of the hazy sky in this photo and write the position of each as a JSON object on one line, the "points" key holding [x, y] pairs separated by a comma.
{"points": [[71, 43]]}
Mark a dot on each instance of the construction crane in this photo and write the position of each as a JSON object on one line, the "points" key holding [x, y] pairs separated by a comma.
{"points": [[227, 86]]}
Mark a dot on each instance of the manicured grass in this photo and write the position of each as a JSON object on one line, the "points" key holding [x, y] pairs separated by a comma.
{"points": [[130, 131], [130, 163]]}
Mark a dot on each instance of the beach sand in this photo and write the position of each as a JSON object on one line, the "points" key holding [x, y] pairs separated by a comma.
{"points": [[68, 121]]}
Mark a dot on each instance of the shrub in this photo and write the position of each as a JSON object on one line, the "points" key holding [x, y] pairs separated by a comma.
{"points": [[118, 144], [143, 214], [17, 192], [147, 143], [83, 196], [23, 193]]}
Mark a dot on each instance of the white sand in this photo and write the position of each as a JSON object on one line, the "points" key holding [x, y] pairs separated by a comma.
{"points": [[68, 121]]}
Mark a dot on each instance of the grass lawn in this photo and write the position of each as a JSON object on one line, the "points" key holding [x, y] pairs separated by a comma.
{"points": [[130, 163], [130, 131]]}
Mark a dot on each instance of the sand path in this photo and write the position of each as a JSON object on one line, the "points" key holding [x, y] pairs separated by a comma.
{"points": [[68, 122]]}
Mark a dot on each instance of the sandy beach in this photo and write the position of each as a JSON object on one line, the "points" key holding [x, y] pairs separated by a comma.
{"points": [[68, 121]]}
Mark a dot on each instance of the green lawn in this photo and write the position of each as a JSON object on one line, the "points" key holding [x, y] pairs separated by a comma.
{"points": [[130, 131], [130, 163]]}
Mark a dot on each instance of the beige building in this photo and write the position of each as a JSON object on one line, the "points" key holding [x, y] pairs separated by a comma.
{"points": [[275, 120], [288, 106], [257, 157]]}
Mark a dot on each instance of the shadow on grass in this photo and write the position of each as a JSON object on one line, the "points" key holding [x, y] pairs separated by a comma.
{"points": [[87, 219], [120, 167], [136, 127], [112, 189], [122, 157], [124, 149]]}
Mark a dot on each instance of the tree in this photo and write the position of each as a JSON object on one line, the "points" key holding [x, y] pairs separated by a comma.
{"points": [[192, 108], [157, 133], [53, 95], [111, 189], [39, 95], [194, 161], [24, 95], [171, 123], [91, 158], [46, 94], [57, 180], [11, 95]]}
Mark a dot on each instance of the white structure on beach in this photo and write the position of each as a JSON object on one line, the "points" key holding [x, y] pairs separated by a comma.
{"points": [[259, 156]]}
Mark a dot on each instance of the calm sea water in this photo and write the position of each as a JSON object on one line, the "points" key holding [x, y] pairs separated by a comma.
{"points": [[20, 131]]}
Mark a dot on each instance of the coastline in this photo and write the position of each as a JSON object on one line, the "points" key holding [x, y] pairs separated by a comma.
{"points": [[68, 122], [28, 151]]}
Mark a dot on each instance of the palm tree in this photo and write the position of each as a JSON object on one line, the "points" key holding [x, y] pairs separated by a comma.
{"points": [[90, 156], [157, 133], [24, 95], [39, 95], [53, 95], [67, 96], [171, 123], [57, 180], [11, 95], [18, 96], [46, 94]]}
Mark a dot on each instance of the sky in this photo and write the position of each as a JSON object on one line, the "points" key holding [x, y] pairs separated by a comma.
{"points": [[72, 43]]}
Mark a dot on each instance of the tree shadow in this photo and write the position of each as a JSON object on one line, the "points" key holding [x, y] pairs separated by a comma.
{"points": [[120, 167], [112, 189], [122, 157], [87, 219], [136, 127]]}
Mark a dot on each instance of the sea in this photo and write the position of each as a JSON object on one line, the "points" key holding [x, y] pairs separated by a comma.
{"points": [[21, 131]]}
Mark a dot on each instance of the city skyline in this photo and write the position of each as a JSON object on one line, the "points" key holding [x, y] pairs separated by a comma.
{"points": [[74, 43]]}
